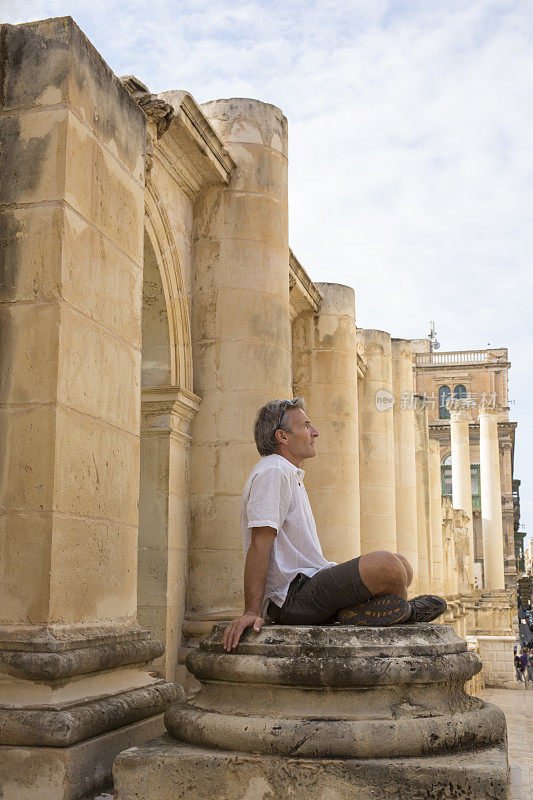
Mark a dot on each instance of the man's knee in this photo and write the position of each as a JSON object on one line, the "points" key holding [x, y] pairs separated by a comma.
{"points": [[382, 571], [408, 567]]}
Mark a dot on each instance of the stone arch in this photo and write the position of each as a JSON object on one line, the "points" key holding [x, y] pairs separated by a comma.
{"points": [[161, 239], [167, 408], [156, 361]]}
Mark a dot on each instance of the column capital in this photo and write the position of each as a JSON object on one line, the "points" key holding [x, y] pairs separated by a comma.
{"points": [[460, 414], [488, 410], [167, 399], [168, 409]]}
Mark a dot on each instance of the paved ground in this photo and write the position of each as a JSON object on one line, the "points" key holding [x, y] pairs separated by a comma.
{"points": [[517, 706]]}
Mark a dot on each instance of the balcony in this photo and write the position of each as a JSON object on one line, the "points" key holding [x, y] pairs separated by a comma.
{"points": [[461, 357]]}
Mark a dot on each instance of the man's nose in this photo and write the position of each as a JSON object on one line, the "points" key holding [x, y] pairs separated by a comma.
{"points": [[314, 432]]}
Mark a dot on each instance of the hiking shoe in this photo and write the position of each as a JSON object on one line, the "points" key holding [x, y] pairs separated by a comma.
{"points": [[378, 612], [426, 607]]}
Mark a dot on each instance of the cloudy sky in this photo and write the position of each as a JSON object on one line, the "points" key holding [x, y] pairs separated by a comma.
{"points": [[411, 158]]}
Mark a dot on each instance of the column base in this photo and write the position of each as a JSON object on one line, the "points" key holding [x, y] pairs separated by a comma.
{"points": [[170, 770], [68, 773], [72, 698]]}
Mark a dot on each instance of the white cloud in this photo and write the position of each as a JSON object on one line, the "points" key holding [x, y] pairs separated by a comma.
{"points": [[411, 162]]}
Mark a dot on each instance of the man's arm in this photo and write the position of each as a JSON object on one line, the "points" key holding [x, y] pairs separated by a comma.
{"points": [[255, 575]]}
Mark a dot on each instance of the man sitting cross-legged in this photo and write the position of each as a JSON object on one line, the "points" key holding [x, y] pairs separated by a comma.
{"points": [[286, 577]]}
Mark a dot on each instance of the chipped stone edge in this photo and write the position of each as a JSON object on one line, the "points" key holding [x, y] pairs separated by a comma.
{"points": [[42, 727]]}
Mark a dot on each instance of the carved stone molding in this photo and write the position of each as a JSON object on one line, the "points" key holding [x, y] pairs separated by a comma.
{"points": [[158, 112], [168, 410], [304, 297]]}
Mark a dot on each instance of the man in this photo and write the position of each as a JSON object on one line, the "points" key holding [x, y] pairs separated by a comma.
{"points": [[286, 577], [522, 666]]}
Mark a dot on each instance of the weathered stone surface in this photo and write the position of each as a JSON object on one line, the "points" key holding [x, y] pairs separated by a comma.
{"points": [[42, 72], [240, 318], [333, 712], [49, 727], [67, 773], [376, 445], [46, 666], [72, 660], [169, 770], [337, 692], [324, 358]]}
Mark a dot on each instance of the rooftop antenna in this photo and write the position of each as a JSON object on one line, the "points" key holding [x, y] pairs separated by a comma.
{"points": [[432, 336]]}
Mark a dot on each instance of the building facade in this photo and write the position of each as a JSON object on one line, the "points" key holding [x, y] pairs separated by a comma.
{"points": [[470, 380]]}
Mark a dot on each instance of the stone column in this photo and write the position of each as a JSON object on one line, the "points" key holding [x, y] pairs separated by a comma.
{"points": [[164, 532], [325, 373], [404, 454], [241, 342], [72, 656], [461, 478], [435, 490], [451, 573], [491, 505], [423, 497], [385, 716], [376, 445], [506, 474]]}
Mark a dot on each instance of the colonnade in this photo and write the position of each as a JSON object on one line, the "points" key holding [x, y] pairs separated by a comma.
{"points": [[399, 463], [400, 475], [491, 512]]}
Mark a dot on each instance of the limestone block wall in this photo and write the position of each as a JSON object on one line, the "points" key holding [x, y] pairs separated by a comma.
{"points": [[72, 144], [376, 445], [325, 373], [72, 198], [241, 340], [497, 655]]}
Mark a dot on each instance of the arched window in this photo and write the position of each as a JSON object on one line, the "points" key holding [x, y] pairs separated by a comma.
{"points": [[444, 395], [460, 391]]}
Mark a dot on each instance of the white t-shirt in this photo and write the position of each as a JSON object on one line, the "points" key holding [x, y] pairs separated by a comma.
{"points": [[275, 495]]}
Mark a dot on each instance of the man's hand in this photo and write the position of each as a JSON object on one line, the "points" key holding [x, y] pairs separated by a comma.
{"points": [[234, 631], [255, 575]]}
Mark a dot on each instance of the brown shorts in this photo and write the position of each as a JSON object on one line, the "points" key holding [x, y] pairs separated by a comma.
{"points": [[316, 600]]}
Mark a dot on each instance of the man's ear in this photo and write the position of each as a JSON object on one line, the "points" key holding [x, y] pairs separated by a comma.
{"points": [[280, 436]]}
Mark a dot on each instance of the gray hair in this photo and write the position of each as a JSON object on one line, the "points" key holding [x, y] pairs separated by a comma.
{"points": [[272, 417]]}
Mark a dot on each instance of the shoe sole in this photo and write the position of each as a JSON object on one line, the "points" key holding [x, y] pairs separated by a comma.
{"points": [[435, 607], [378, 612]]}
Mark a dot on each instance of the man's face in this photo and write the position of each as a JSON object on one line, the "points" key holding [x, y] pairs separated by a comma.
{"points": [[301, 440]]}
